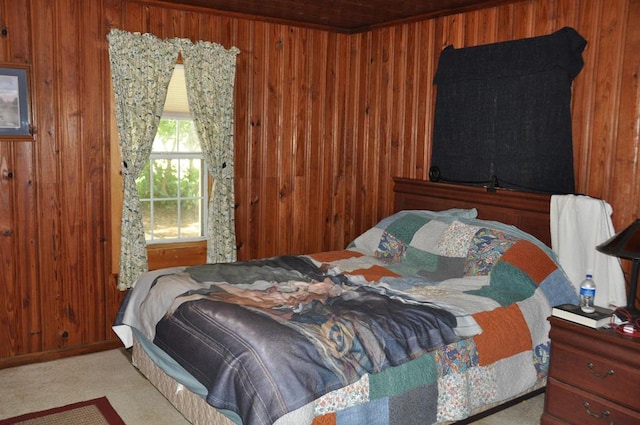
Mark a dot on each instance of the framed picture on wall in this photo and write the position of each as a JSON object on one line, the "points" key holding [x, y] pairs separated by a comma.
{"points": [[15, 104]]}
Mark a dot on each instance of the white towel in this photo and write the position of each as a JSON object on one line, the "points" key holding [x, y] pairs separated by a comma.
{"points": [[578, 224]]}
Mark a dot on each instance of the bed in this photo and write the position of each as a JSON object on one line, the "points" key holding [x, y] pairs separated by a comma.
{"points": [[434, 315]]}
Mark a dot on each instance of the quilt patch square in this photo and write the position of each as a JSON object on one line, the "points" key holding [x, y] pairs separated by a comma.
{"points": [[487, 246], [502, 334]]}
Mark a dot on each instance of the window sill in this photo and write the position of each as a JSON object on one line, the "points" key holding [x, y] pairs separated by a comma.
{"points": [[176, 254]]}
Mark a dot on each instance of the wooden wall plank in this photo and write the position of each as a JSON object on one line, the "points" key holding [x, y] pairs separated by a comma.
{"points": [[299, 98], [365, 109], [48, 160], [584, 91], [341, 149], [26, 230], [426, 105], [242, 129], [15, 47], [271, 142], [93, 131], [623, 183], [72, 220], [353, 122], [11, 328], [18, 230], [607, 95], [286, 142]]}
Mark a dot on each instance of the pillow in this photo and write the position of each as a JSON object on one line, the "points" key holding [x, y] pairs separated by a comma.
{"points": [[391, 248], [487, 246], [469, 214], [405, 226], [455, 241], [429, 235]]}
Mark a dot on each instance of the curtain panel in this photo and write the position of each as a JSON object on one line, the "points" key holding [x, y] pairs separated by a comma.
{"points": [[141, 69], [210, 75]]}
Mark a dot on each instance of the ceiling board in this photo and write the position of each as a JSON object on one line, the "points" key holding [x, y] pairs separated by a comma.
{"points": [[348, 16]]}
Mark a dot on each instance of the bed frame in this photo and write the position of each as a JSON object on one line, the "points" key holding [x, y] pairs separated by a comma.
{"points": [[528, 211]]}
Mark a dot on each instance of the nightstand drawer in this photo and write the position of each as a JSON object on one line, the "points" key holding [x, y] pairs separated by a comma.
{"points": [[575, 406], [596, 375]]}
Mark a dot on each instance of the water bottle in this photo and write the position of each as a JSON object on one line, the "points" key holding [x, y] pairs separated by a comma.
{"points": [[587, 294]]}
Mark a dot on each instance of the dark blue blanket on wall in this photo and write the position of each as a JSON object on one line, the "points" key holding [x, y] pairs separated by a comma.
{"points": [[504, 110]]}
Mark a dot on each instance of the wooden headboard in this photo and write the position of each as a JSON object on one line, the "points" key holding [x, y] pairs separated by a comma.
{"points": [[525, 210]]}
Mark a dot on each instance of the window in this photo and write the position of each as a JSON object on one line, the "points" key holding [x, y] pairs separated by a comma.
{"points": [[173, 185]]}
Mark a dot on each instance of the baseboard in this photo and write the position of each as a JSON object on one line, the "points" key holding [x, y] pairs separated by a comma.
{"points": [[46, 356]]}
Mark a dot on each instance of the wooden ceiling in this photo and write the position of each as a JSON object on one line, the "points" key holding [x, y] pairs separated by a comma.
{"points": [[347, 16]]}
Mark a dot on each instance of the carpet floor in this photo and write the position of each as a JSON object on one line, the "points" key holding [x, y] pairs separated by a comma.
{"points": [[47, 385]]}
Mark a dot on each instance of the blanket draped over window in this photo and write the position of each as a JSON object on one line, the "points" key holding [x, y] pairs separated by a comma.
{"points": [[504, 110], [141, 68]]}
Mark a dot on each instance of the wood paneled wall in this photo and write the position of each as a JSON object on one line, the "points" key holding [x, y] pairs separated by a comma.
{"points": [[56, 288], [323, 122]]}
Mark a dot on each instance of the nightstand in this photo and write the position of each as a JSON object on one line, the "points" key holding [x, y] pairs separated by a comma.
{"points": [[594, 377]]}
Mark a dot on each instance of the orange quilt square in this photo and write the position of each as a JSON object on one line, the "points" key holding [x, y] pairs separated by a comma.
{"points": [[504, 334], [530, 259], [328, 419], [330, 256]]}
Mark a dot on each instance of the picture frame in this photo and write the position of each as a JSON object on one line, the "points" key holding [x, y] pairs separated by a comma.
{"points": [[15, 102]]}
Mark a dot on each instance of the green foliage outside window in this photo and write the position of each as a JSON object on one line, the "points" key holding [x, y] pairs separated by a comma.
{"points": [[171, 180]]}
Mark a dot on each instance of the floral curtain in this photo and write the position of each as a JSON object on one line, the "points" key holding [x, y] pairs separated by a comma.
{"points": [[141, 68], [210, 75]]}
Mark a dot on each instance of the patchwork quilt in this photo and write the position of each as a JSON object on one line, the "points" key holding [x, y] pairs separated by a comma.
{"points": [[422, 319]]}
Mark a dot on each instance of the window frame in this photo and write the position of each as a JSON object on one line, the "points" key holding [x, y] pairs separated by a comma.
{"points": [[205, 187]]}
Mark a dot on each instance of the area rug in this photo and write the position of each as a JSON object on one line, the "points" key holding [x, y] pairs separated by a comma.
{"points": [[91, 412]]}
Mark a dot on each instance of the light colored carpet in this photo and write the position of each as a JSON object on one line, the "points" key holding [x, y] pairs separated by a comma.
{"points": [[527, 412], [42, 386]]}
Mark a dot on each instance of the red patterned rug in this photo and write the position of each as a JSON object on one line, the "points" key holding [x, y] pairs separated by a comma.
{"points": [[91, 412]]}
